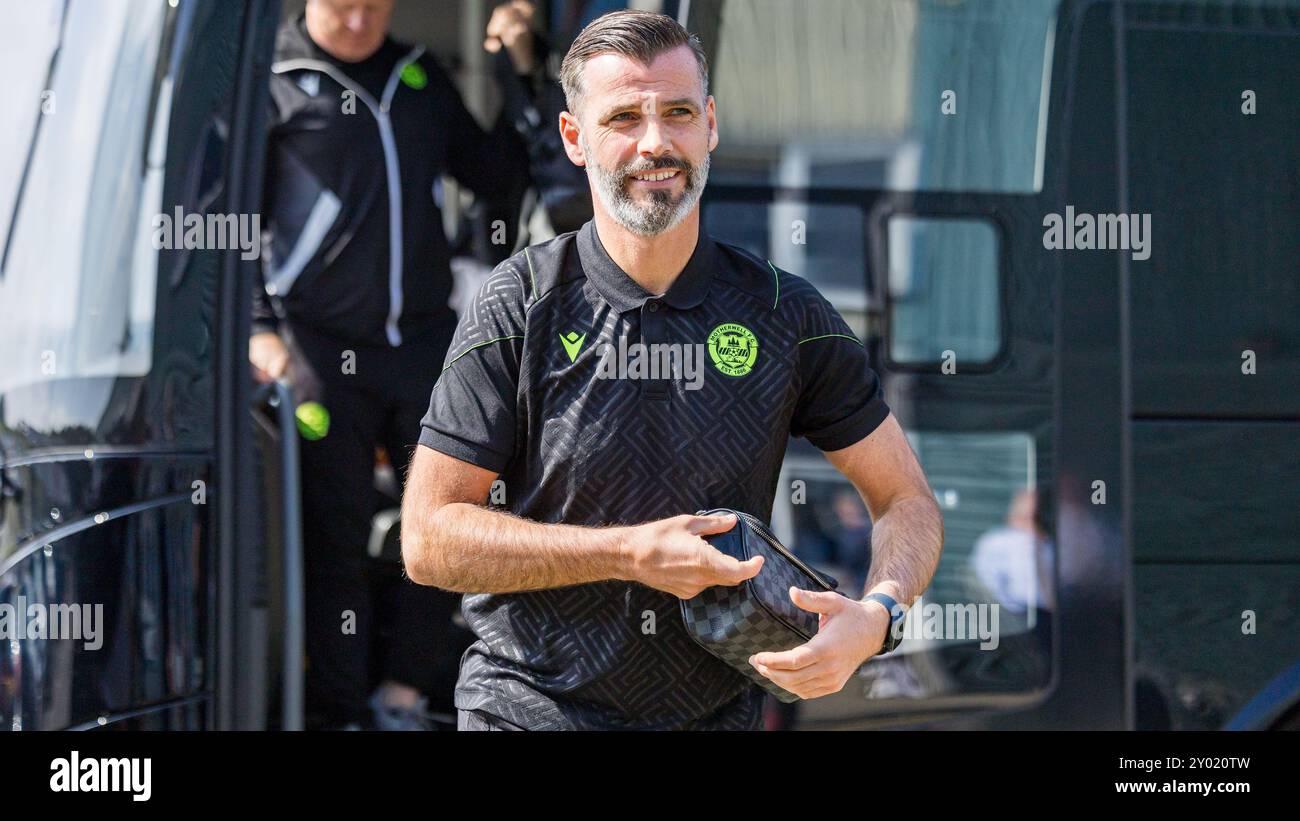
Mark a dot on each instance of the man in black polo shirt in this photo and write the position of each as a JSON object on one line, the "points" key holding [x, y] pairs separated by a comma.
{"points": [[616, 379]]}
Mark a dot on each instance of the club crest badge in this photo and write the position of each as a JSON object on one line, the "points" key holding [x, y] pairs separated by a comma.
{"points": [[733, 349]]}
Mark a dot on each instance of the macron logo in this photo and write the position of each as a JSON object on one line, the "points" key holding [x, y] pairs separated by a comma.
{"points": [[572, 344], [75, 774]]}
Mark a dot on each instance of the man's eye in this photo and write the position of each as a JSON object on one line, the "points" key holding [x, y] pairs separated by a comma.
{"points": [[624, 117], [678, 112]]}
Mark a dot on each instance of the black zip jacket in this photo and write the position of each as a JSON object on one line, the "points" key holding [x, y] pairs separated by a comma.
{"points": [[357, 249]]}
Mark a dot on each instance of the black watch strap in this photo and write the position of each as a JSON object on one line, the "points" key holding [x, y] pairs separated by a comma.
{"points": [[893, 636]]}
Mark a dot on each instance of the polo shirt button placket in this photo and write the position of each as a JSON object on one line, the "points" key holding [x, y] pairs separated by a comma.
{"points": [[651, 333]]}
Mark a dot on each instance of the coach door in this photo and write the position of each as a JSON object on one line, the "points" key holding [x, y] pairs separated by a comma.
{"points": [[124, 357]]}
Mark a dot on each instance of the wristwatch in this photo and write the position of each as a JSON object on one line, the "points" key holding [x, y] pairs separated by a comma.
{"points": [[894, 635]]}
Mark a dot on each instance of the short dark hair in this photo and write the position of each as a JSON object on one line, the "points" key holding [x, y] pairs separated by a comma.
{"points": [[642, 35]]}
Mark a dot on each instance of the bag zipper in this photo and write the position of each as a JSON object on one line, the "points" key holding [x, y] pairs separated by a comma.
{"points": [[766, 535]]}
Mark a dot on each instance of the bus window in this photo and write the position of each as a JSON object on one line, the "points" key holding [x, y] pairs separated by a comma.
{"points": [[77, 292], [995, 552], [943, 291], [879, 94]]}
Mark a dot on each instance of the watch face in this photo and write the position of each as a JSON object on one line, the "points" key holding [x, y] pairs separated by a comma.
{"points": [[892, 638]]}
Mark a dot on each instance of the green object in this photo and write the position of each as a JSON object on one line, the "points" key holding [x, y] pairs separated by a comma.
{"points": [[572, 343], [733, 348], [313, 420], [413, 75]]}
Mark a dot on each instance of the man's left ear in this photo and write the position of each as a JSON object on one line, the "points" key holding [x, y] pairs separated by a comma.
{"points": [[711, 107]]}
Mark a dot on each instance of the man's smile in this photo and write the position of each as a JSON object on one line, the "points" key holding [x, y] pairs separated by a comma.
{"points": [[659, 178], [647, 194]]}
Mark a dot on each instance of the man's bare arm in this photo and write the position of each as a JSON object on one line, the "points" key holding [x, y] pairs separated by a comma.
{"points": [[907, 534], [450, 540], [906, 540]]}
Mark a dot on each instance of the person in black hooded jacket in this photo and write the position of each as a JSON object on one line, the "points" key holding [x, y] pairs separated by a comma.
{"points": [[353, 307]]}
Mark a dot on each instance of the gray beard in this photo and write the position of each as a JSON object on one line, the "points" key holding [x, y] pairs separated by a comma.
{"points": [[664, 210]]}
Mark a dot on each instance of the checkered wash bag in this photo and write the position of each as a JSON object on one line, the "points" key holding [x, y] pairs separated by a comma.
{"points": [[755, 616]]}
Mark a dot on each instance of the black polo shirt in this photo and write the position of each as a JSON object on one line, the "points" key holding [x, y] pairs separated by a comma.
{"points": [[545, 384]]}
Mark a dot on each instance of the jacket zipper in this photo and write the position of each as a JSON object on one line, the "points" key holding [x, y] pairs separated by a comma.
{"points": [[378, 109]]}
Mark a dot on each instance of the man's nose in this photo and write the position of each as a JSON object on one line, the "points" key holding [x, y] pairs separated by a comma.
{"points": [[654, 140]]}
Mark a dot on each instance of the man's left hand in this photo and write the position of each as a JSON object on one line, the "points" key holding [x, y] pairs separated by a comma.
{"points": [[848, 633]]}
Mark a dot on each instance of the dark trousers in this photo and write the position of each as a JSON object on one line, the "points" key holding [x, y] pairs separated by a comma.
{"points": [[375, 398]]}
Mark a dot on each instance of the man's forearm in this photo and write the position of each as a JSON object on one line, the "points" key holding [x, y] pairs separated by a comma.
{"points": [[470, 549], [905, 546]]}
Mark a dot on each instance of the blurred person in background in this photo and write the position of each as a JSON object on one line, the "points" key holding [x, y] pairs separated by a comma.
{"points": [[534, 100], [353, 311], [1014, 561], [558, 201]]}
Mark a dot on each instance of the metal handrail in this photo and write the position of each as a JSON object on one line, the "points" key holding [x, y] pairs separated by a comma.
{"points": [[276, 395]]}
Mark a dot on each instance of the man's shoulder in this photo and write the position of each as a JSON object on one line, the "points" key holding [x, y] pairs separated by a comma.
{"points": [[766, 281], [527, 276], [543, 266]]}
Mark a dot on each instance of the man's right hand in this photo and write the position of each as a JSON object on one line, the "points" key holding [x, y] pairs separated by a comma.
{"points": [[671, 555], [511, 26], [269, 356]]}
